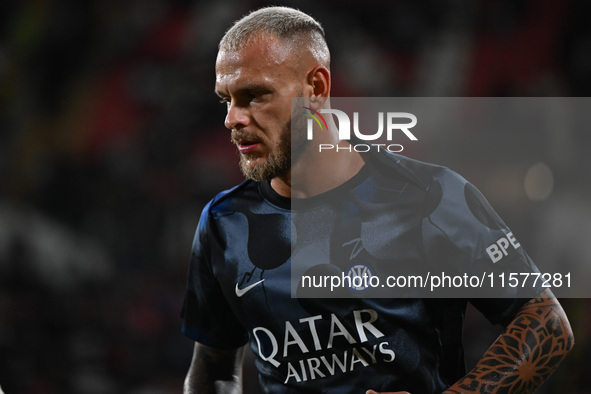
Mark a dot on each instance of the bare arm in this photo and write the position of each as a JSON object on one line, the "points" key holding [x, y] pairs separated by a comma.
{"points": [[525, 354], [214, 371]]}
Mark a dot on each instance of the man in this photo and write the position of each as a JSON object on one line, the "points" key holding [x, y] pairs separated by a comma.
{"points": [[239, 281]]}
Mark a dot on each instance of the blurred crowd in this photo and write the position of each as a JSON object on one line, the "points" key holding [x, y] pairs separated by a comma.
{"points": [[112, 140]]}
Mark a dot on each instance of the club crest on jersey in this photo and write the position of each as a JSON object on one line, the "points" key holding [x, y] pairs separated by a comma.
{"points": [[360, 277]]}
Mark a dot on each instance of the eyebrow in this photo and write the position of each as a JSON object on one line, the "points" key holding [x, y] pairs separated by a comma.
{"points": [[248, 89]]}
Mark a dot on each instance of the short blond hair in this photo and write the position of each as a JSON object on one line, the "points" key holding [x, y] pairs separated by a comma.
{"points": [[288, 24]]}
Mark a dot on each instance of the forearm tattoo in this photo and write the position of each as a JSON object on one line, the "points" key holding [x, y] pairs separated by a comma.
{"points": [[525, 354]]}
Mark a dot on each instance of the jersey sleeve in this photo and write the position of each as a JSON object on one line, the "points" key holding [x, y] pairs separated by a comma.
{"points": [[207, 316], [462, 234]]}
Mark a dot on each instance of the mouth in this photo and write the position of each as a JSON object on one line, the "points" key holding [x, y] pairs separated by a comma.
{"points": [[247, 146], [245, 142]]}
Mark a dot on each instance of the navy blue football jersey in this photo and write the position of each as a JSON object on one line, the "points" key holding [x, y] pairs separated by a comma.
{"points": [[395, 216]]}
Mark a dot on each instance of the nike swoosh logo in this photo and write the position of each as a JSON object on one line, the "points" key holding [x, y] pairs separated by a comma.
{"points": [[241, 292]]}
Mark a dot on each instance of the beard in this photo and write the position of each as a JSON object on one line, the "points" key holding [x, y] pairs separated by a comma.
{"points": [[278, 161], [281, 156]]}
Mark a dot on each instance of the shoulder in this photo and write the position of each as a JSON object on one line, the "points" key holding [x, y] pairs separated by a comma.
{"points": [[230, 198], [441, 192], [227, 201], [426, 176]]}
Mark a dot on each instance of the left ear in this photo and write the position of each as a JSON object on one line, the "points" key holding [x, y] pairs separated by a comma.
{"points": [[319, 81]]}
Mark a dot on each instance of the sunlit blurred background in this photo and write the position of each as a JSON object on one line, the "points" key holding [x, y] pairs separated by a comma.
{"points": [[112, 140]]}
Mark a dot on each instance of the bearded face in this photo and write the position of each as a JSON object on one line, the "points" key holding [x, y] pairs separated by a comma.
{"points": [[277, 157]]}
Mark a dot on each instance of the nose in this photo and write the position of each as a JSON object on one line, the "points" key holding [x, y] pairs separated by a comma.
{"points": [[237, 117]]}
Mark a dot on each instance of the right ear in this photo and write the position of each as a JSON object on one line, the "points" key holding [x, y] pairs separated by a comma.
{"points": [[319, 79]]}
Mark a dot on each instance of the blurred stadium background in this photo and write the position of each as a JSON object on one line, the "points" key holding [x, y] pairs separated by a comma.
{"points": [[112, 140]]}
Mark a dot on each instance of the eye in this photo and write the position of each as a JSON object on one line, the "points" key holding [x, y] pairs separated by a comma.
{"points": [[225, 100], [257, 97]]}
